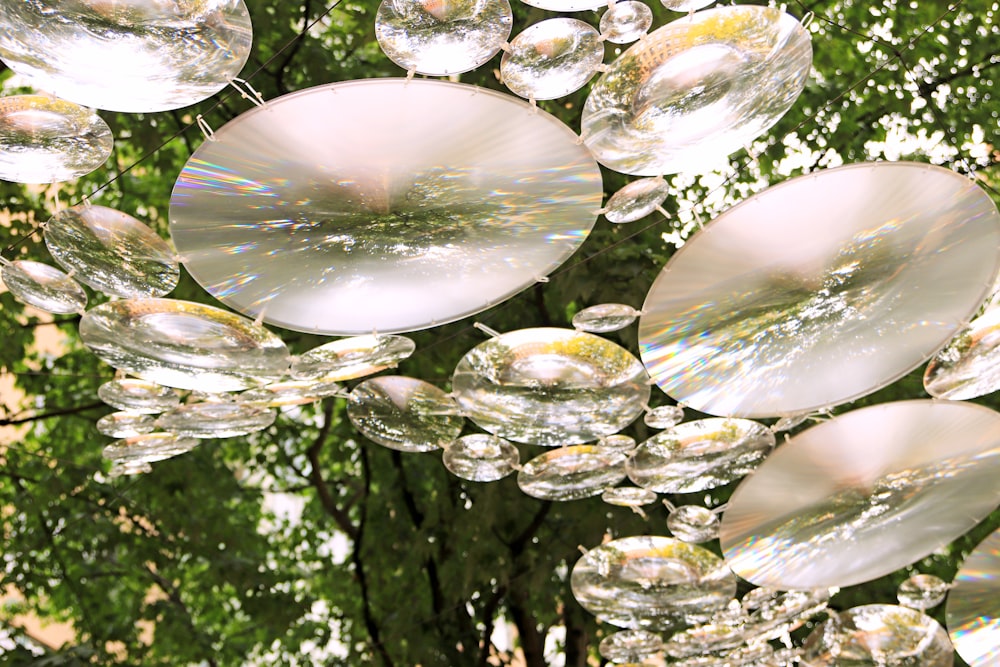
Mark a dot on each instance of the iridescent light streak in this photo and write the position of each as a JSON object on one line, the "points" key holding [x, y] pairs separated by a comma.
{"points": [[200, 175]]}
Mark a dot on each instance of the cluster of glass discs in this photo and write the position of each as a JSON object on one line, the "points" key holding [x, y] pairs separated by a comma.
{"points": [[891, 274]]}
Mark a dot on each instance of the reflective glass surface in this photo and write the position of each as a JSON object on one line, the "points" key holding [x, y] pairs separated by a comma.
{"points": [[42, 286], [973, 608]]}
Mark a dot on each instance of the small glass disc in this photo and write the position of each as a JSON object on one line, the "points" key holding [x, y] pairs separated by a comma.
{"points": [[696, 89], [626, 21], [289, 392], [351, 358], [550, 387], [624, 443], [693, 523], [215, 420], [442, 37], [699, 455], [762, 316], [552, 58], [45, 140], [777, 612], [566, 5], [605, 317], [481, 458], [636, 200], [878, 634], [44, 287], [572, 473], [112, 252], [148, 448], [628, 496], [969, 366], [685, 6], [138, 396], [664, 416], [184, 344], [864, 494], [133, 56], [973, 609], [630, 646], [126, 424], [652, 583], [922, 592], [404, 413], [128, 468]]}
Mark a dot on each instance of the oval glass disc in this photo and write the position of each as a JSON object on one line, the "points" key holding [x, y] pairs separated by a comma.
{"points": [[112, 252], [442, 37], [552, 58], [878, 634], [973, 608], [652, 583], [354, 357], [566, 5], [762, 314], [138, 396], [969, 366], [626, 21], [45, 140], [183, 344], [126, 56], [572, 473], [215, 420], [126, 424], [550, 386], [148, 448], [290, 392], [696, 89], [404, 413], [44, 287], [700, 455], [481, 458], [864, 494], [605, 317], [393, 226], [636, 200]]}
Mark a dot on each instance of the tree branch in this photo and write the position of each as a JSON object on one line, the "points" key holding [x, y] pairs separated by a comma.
{"points": [[315, 477], [58, 412], [370, 624], [174, 596]]}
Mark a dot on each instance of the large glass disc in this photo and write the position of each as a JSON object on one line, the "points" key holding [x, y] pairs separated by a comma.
{"points": [[442, 37], [552, 58], [878, 635], [969, 366], [404, 413], [134, 56], [821, 289], [652, 583], [44, 287], [572, 473], [973, 608], [45, 140], [550, 386], [215, 420], [864, 494], [697, 89], [183, 344], [442, 200], [700, 455], [112, 252]]}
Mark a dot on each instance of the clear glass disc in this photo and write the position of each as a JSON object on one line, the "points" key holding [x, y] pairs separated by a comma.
{"points": [[45, 140], [777, 612], [628, 496], [693, 523], [922, 592], [215, 420], [973, 608], [878, 634], [394, 226], [605, 317], [442, 37], [760, 315], [636, 200], [481, 458], [351, 358], [184, 344], [652, 583], [624, 443], [969, 366], [552, 58], [572, 473], [699, 455], [148, 448], [626, 21], [44, 287], [128, 468], [630, 646], [135, 56], [404, 413], [566, 5], [864, 494], [138, 396], [696, 89], [290, 392], [112, 252], [550, 386], [685, 6], [664, 416], [126, 424]]}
